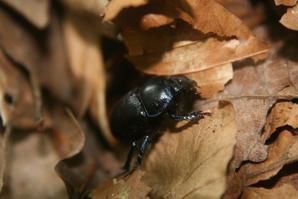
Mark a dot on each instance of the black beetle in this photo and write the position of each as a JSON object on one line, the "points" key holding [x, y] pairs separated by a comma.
{"points": [[137, 117]]}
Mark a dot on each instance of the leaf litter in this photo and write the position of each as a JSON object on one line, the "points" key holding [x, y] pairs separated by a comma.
{"points": [[55, 59]]}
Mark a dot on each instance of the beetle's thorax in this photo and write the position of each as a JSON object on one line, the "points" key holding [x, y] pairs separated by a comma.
{"points": [[156, 96]]}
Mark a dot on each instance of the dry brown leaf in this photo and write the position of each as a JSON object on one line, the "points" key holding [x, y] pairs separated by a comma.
{"points": [[291, 178], [281, 152], [293, 74], [290, 18], [282, 114], [95, 7], [251, 116], [212, 80], [268, 78], [193, 57], [47, 66], [219, 20], [251, 14], [131, 187], [155, 20], [69, 141], [284, 191], [253, 91], [63, 124], [81, 40], [285, 2], [185, 46], [5, 133], [84, 171], [251, 113], [277, 75], [17, 103], [36, 12], [30, 169], [193, 162], [82, 161], [86, 63], [114, 7]]}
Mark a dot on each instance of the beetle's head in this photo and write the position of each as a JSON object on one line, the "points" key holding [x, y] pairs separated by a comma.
{"points": [[181, 83]]}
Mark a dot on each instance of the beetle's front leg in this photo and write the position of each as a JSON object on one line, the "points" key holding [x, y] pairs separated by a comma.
{"points": [[146, 141], [126, 165], [191, 116]]}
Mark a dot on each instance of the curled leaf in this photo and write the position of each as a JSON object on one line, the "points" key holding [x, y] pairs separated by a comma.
{"points": [[250, 120], [69, 139], [212, 80], [282, 114], [189, 37], [30, 168], [47, 66], [285, 2], [253, 90], [94, 7], [87, 65], [17, 103], [290, 18], [281, 152], [115, 6], [284, 191], [36, 13], [4, 138]]}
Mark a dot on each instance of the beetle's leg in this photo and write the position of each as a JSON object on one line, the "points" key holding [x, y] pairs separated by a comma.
{"points": [[126, 165], [194, 115], [143, 147]]}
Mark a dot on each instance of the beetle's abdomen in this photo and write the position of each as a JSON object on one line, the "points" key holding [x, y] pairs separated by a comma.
{"points": [[128, 119]]}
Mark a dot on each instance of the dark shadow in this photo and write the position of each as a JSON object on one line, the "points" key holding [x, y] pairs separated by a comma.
{"points": [[287, 170]]}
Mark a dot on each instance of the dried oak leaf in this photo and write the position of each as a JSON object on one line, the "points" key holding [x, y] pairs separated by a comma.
{"points": [[47, 66], [36, 12], [5, 133], [82, 39], [69, 141], [30, 169], [17, 103], [282, 114], [252, 15], [285, 2], [129, 187], [82, 164], [250, 123], [193, 163], [290, 18], [212, 80], [219, 20], [66, 132], [246, 82], [188, 44], [115, 6], [283, 151], [253, 90], [284, 191], [95, 7], [291, 178]]}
